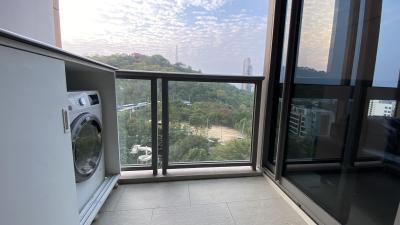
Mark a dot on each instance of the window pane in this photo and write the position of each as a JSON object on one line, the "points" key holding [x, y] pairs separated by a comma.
{"points": [[311, 122], [134, 122], [210, 121], [322, 42], [387, 68]]}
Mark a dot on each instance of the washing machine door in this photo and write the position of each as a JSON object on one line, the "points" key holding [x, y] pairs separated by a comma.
{"points": [[86, 145]]}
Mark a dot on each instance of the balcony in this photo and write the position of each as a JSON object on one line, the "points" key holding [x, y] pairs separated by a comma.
{"points": [[166, 116], [244, 201], [177, 127], [318, 137]]}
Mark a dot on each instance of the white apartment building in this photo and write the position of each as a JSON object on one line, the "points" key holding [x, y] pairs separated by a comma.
{"points": [[381, 108]]}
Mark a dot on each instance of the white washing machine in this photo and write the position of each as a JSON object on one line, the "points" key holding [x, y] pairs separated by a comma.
{"points": [[87, 146]]}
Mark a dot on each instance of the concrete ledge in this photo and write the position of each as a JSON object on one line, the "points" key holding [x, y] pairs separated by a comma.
{"points": [[133, 177]]}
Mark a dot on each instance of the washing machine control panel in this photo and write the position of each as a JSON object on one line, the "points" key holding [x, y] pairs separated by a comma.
{"points": [[79, 100]]}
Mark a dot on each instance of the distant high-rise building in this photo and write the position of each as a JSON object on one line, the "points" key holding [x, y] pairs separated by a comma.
{"points": [[247, 71], [382, 108]]}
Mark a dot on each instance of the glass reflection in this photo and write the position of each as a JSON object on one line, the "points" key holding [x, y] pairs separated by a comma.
{"points": [[343, 148]]}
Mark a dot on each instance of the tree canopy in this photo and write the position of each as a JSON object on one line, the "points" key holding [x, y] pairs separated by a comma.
{"points": [[192, 105]]}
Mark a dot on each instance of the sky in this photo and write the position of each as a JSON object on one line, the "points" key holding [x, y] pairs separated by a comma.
{"points": [[315, 37], [387, 66], [214, 36]]}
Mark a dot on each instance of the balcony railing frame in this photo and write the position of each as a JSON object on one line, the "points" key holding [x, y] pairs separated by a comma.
{"points": [[165, 77]]}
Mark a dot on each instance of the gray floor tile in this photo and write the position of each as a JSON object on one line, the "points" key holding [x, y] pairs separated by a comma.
{"points": [[137, 217], [273, 211], [153, 195], [228, 190], [211, 214], [112, 199], [239, 201]]}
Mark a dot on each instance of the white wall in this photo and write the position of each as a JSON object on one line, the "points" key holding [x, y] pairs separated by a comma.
{"points": [[30, 18]]}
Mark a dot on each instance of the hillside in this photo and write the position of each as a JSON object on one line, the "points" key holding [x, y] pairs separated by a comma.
{"points": [[194, 108], [223, 94], [138, 61]]}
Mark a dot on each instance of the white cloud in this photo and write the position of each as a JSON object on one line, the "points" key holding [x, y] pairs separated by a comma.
{"points": [[206, 41], [208, 4]]}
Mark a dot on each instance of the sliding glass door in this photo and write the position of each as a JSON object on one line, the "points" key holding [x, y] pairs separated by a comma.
{"points": [[339, 142]]}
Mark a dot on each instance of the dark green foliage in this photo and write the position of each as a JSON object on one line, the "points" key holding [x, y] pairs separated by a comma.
{"points": [[134, 129], [212, 103], [193, 106], [142, 62], [132, 91], [232, 150], [190, 148]]}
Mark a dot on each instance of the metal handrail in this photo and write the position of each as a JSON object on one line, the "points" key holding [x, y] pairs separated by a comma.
{"points": [[180, 76], [165, 77]]}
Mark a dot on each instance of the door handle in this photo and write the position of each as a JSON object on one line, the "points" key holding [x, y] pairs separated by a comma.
{"points": [[65, 120]]}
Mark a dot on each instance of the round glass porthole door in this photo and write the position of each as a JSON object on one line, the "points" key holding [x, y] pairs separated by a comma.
{"points": [[86, 146]]}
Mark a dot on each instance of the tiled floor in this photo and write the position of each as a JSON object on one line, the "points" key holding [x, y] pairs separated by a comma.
{"points": [[240, 201]]}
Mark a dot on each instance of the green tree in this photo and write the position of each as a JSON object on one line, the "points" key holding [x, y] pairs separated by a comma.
{"points": [[232, 150], [190, 148], [209, 104]]}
